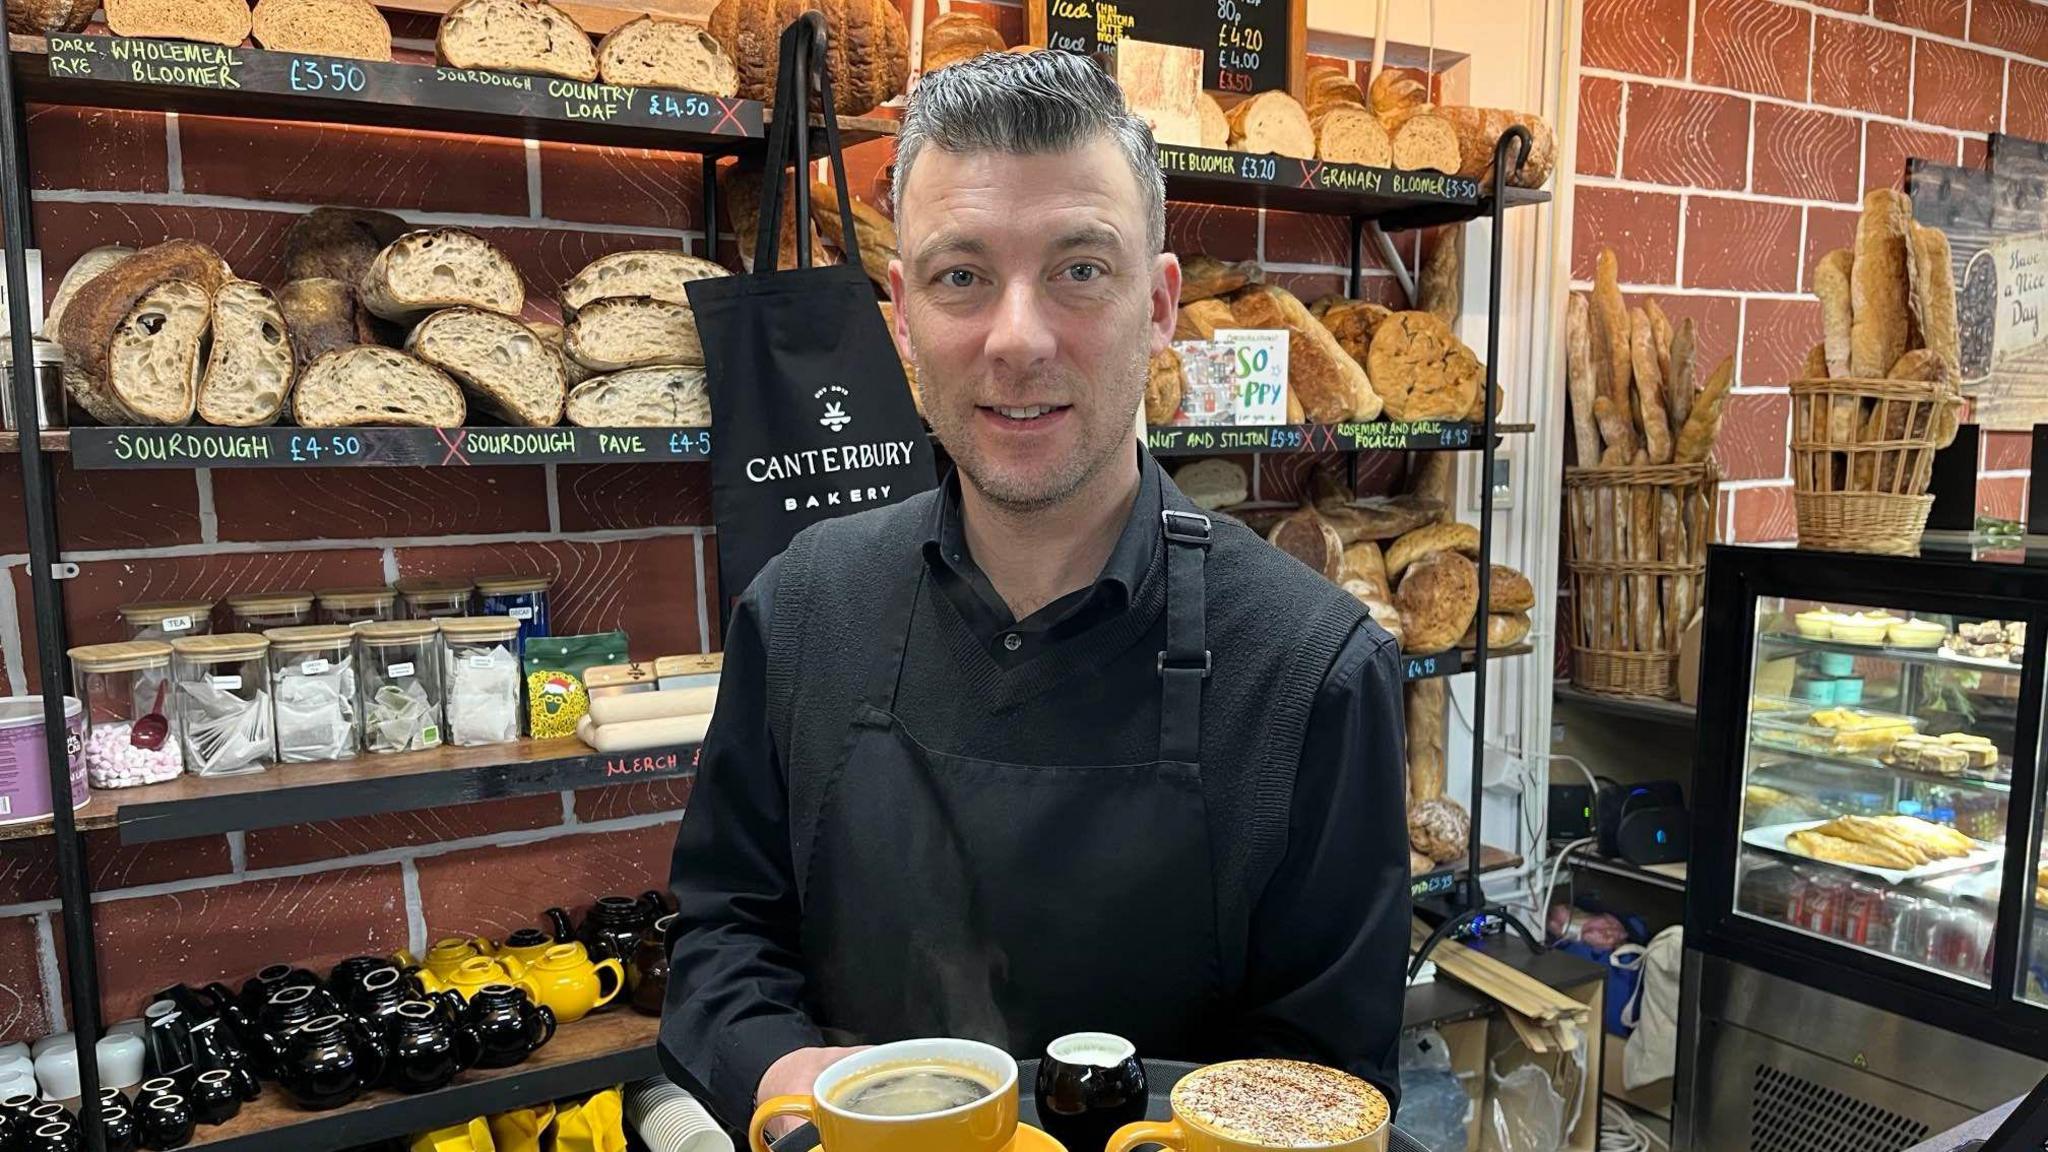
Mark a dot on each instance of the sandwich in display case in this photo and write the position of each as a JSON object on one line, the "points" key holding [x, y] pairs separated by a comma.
{"points": [[1867, 942]]}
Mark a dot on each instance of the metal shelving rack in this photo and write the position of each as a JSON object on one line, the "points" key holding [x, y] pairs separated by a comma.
{"points": [[75, 71]]}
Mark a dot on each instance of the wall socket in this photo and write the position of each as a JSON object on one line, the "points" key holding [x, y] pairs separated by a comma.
{"points": [[1503, 479]]}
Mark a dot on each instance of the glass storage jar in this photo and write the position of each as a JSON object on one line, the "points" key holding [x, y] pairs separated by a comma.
{"points": [[168, 619], [482, 658], [254, 612], [313, 688], [433, 599], [119, 684], [523, 598], [224, 714], [357, 605], [400, 671]]}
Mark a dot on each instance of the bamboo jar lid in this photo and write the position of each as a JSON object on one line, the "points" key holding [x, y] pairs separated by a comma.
{"points": [[221, 648], [128, 656], [386, 633], [156, 612], [512, 585], [478, 628], [310, 637], [270, 602], [355, 598]]}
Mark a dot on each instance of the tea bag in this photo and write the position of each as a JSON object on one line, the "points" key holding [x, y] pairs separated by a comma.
{"points": [[316, 712], [401, 718], [223, 732], [483, 696]]}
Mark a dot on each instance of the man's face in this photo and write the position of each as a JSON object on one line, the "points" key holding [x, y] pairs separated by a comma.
{"points": [[1030, 301]]}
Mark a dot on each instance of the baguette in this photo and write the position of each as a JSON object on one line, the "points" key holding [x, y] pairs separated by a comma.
{"points": [[1215, 124], [1348, 134], [1660, 327], [1703, 426], [877, 232], [1879, 284], [1642, 535], [1924, 365], [1683, 381], [1272, 122], [1579, 381], [1426, 142], [1831, 282], [352, 29], [321, 315], [661, 397], [1331, 386], [515, 36], [1426, 707], [249, 373], [633, 332], [1440, 285], [1815, 366], [656, 53], [1205, 277], [82, 271], [436, 268], [504, 364], [1671, 549], [338, 243], [223, 22], [1421, 371], [655, 273], [1649, 388], [1611, 334], [367, 385], [1934, 294]]}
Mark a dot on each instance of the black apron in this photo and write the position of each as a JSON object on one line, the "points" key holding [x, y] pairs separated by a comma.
{"points": [[1013, 903]]}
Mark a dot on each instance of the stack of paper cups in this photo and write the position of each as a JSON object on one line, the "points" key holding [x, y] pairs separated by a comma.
{"points": [[670, 1119]]}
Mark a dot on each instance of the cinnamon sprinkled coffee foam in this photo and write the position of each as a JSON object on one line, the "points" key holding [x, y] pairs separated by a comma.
{"points": [[1280, 1103]]}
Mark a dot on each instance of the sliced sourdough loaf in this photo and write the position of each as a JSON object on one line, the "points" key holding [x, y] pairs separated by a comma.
{"points": [[108, 300], [656, 53], [82, 270], [338, 242], [665, 396], [634, 332], [1348, 134], [1426, 142], [557, 338], [249, 373], [157, 353], [516, 36], [438, 268], [656, 273], [507, 366], [320, 315], [349, 28], [207, 21], [1272, 122], [367, 385]]}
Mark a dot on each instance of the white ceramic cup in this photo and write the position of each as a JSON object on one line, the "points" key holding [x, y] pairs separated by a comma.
{"points": [[10, 1062], [120, 1060], [17, 1082], [669, 1119], [132, 1026], [14, 1051], [57, 1070], [43, 1045]]}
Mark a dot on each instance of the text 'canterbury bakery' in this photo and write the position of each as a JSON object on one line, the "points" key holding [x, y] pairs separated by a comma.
{"points": [[826, 461]]}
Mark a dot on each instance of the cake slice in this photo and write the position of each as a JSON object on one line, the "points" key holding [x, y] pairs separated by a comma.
{"points": [[516, 36], [368, 385], [436, 268], [503, 363], [249, 373], [671, 396], [655, 53], [349, 28], [207, 21]]}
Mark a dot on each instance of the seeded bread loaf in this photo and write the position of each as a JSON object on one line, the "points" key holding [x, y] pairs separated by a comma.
{"points": [[633, 332], [1438, 595], [108, 301], [656, 53], [877, 233], [506, 366], [206, 21], [348, 28], [1331, 386], [82, 270], [249, 373], [669, 396], [367, 385], [338, 243], [1272, 122], [1348, 134], [438, 268], [157, 353], [656, 273], [515, 36], [1204, 277], [958, 36], [321, 315], [1426, 142]]}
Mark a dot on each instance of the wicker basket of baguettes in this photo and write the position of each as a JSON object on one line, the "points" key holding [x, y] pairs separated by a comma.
{"points": [[1640, 505], [1880, 394]]}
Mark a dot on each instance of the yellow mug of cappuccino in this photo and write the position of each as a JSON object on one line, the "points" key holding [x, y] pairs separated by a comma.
{"points": [[911, 1096], [1260, 1105]]}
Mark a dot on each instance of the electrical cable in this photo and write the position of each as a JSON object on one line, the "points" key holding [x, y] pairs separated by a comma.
{"points": [[1620, 1131]]}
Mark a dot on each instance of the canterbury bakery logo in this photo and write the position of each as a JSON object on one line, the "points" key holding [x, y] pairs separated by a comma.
{"points": [[835, 416]]}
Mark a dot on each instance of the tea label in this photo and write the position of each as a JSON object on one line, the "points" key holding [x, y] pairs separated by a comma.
{"points": [[229, 683], [481, 660], [399, 670], [1259, 368], [521, 613], [314, 667], [177, 624]]}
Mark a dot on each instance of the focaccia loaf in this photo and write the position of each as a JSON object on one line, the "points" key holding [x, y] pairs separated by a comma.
{"points": [[338, 243], [321, 315], [503, 363], [634, 332], [438, 268], [1421, 370], [249, 374], [516, 36], [1272, 122], [656, 273], [368, 385], [1437, 596], [206, 21], [1332, 386], [656, 53], [353, 29], [660, 397]]}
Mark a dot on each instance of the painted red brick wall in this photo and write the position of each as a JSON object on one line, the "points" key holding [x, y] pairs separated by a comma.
{"points": [[1724, 145]]}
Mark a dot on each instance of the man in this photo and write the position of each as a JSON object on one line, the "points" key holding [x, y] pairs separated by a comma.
{"points": [[1045, 750]]}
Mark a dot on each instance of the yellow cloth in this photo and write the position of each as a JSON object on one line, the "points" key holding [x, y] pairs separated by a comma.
{"points": [[474, 1136], [595, 1125], [521, 1129]]}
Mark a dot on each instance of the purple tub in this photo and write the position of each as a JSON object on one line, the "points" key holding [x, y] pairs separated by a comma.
{"points": [[24, 764]]}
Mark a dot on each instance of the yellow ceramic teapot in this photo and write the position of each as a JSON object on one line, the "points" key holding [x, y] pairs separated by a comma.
{"points": [[447, 954], [565, 980], [473, 974]]}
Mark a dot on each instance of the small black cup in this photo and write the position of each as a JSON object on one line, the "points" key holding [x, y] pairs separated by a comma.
{"points": [[118, 1123], [166, 1124], [1089, 1085], [55, 1136], [153, 1088], [215, 1097]]}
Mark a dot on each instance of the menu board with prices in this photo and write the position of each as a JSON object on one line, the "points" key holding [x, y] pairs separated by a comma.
{"points": [[380, 447], [1368, 436], [1247, 45]]}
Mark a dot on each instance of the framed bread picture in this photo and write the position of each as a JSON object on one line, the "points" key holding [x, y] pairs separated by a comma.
{"points": [[1246, 47]]}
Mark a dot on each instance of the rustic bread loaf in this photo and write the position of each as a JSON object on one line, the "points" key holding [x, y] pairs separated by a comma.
{"points": [[108, 301], [1581, 389], [660, 397], [1879, 286], [1354, 323], [93, 262], [1395, 92], [868, 50], [557, 338], [877, 232], [368, 385], [436, 268], [353, 29], [1613, 359], [1213, 483], [504, 364], [1203, 277], [958, 36], [1332, 387], [1934, 294], [1503, 630], [1430, 538], [49, 17], [1510, 591], [206, 21], [1272, 122], [1440, 829], [516, 36], [1348, 134], [1380, 608], [657, 53], [1438, 596], [1200, 320], [1426, 142], [909, 365], [1649, 378], [1479, 131], [1379, 517], [158, 351], [321, 315], [338, 243], [1165, 382], [1308, 538], [1831, 278], [1328, 86], [1365, 563], [656, 273], [1421, 370], [634, 332], [1427, 706], [249, 373], [1215, 123]]}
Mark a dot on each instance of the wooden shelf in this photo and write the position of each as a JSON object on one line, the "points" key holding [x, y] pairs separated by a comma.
{"points": [[1667, 876], [1435, 883], [201, 446], [1452, 661], [1398, 200], [596, 1052], [1368, 436], [1632, 707]]}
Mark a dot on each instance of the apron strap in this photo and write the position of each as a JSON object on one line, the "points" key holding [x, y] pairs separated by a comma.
{"points": [[1184, 664]]}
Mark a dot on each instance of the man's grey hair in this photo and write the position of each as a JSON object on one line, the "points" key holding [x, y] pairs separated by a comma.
{"points": [[1030, 103]]}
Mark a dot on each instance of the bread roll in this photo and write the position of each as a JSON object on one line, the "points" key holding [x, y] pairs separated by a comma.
{"points": [[438, 268], [515, 36], [1430, 538], [1272, 122], [1331, 386], [660, 397], [1421, 370], [504, 364], [353, 29], [657, 53], [1213, 482], [958, 36], [206, 21], [366, 385], [249, 372], [1437, 596]]}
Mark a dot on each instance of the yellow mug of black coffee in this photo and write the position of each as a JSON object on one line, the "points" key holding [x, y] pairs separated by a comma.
{"points": [[1261, 1105], [932, 1095]]}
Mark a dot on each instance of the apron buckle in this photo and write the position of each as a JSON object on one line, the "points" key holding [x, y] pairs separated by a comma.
{"points": [[1185, 666], [1185, 527]]}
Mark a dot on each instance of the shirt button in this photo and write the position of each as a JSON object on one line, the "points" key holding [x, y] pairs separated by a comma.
{"points": [[1013, 641]]}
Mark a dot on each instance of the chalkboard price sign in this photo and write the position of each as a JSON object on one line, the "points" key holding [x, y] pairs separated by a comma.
{"points": [[1247, 45], [200, 447]]}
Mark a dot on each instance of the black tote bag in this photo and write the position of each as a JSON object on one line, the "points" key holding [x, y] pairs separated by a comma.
{"points": [[811, 414]]}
